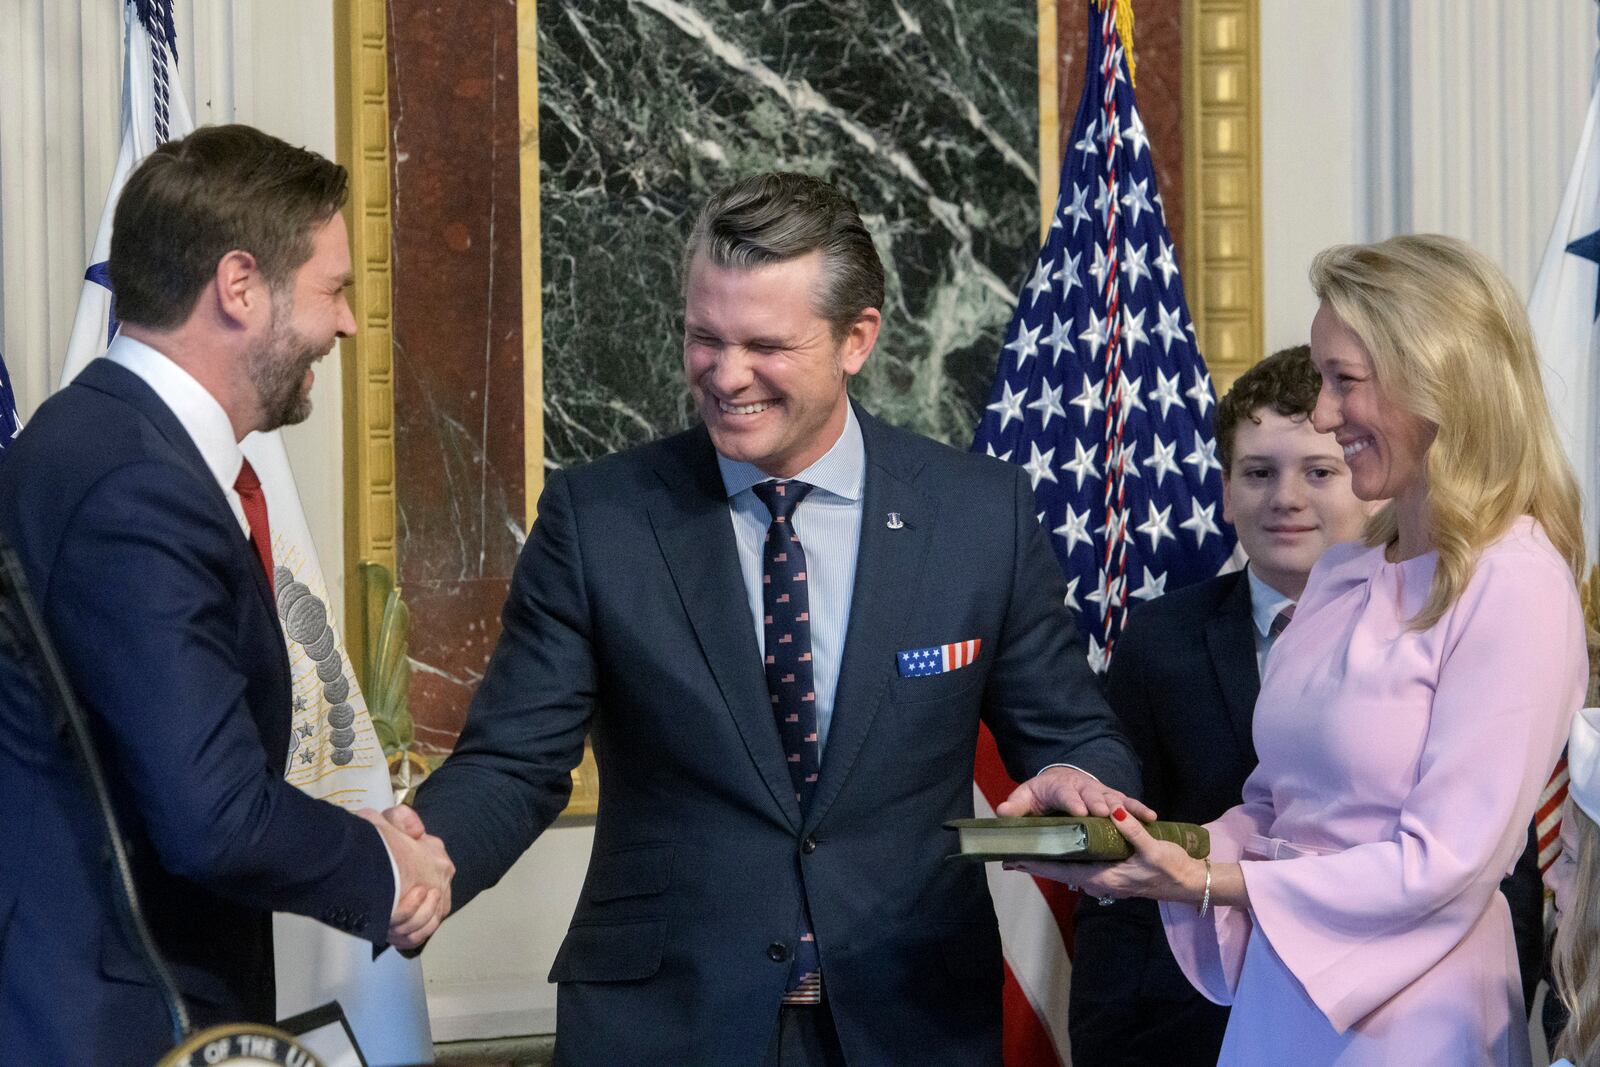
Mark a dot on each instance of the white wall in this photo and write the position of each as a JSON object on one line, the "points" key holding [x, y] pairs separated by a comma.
{"points": [[1392, 116]]}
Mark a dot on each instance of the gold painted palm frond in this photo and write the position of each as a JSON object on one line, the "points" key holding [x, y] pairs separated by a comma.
{"points": [[387, 678]]}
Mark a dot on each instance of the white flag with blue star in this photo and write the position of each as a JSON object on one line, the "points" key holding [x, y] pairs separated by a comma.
{"points": [[1565, 311], [334, 752]]}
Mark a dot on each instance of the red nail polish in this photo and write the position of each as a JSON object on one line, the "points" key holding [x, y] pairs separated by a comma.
{"points": [[1119, 815]]}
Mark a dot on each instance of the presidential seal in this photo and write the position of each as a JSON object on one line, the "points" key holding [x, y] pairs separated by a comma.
{"points": [[240, 1045]]}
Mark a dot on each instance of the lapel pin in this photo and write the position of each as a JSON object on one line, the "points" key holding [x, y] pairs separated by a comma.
{"points": [[894, 522]]}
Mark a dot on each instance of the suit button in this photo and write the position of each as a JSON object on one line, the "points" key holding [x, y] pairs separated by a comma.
{"points": [[777, 952], [808, 846]]}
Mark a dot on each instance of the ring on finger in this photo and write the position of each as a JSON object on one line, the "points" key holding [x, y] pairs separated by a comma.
{"points": [[1103, 901]]}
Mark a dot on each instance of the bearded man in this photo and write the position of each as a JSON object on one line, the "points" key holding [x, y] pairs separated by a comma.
{"points": [[144, 535]]}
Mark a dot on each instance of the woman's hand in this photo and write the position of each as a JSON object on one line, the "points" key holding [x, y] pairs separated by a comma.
{"points": [[1159, 870]]}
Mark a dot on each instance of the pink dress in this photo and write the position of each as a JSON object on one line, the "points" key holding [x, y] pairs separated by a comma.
{"points": [[1398, 775]]}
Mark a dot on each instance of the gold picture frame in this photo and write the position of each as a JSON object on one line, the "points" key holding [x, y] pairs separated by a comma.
{"points": [[1221, 245]]}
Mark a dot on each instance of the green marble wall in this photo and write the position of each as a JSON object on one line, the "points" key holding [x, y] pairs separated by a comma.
{"points": [[925, 111]]}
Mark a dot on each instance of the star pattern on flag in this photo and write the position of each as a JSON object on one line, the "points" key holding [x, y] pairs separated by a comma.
{"points": [[1588, 247], [1114, 428]]}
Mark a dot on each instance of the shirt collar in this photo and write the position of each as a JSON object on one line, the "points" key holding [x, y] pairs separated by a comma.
{"points": [[1265, 603], [839, 471], [196, 410]]}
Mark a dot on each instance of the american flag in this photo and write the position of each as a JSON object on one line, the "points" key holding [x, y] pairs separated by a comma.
{"points": [[1100, 393], [1102, 397]]}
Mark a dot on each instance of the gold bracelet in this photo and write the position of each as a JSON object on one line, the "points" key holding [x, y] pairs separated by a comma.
{"points": [[1205, 901]]}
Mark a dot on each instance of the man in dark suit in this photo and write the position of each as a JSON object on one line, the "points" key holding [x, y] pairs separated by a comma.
{"points": [[1184, 684], [144, 537], [781, 629]]}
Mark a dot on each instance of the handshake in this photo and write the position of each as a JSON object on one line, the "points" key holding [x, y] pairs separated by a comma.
{"points": [[424, 870]]}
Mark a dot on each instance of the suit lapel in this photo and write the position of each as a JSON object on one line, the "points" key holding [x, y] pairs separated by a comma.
{"points": [[116, 380], [695, 534], [889, 562], [1230, 638]]}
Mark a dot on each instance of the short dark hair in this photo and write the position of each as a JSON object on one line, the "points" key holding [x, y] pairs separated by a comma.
{"points": [[779, 216], [194, 200], [1286, 382]]}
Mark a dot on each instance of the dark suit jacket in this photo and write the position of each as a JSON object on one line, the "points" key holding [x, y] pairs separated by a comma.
{"points": [[1183, 684], [167, 629], [628, 618]]}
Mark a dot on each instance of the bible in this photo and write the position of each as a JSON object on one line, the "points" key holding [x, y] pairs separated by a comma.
{"points": [[1065, 838]]}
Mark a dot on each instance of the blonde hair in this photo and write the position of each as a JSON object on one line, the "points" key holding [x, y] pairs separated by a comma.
{"points": [[1576, 956], [1451, 344]]}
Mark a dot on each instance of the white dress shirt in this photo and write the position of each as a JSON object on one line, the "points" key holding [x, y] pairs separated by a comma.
{"points": [[1265, 605]]}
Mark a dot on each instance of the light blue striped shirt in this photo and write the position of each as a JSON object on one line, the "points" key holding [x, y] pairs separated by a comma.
{"points": [[828, 523]]}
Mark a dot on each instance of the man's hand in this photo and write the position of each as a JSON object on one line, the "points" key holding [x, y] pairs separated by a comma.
{"points": [[1058, 789], [425, 873]]}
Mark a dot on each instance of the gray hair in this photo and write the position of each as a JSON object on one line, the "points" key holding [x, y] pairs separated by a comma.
{"points": [[779, 216]]}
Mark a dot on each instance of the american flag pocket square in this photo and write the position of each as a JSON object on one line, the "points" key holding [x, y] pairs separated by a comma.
{"points": [[940, 659]]}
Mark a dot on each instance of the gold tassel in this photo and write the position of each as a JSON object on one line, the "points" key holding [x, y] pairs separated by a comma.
{"points": [[1124, 19]]}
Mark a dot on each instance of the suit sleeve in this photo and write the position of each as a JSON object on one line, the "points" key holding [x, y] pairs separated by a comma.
{"points": [[1129, 698], [140, 604], [510, 773], [1042, 702]]}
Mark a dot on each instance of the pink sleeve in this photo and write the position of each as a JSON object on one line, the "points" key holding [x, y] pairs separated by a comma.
{"points": [[1358, 926], [1210, 949]]}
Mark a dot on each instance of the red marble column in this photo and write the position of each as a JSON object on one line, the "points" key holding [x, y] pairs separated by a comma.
{"points": [[457, 340]]}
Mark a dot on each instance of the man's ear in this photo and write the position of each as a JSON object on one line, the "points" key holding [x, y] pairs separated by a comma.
{"points": [[1227, 497], [858, 342], [240, 288]]}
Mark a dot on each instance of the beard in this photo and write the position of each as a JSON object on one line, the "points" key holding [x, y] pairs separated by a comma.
{"points": [[277, 369]]}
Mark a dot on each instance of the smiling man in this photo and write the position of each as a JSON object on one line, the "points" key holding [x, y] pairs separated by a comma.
{"points": [[146, 540], [781, 629]]}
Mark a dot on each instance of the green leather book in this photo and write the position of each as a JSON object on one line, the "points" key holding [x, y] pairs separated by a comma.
{"points": [[1065, 838]]}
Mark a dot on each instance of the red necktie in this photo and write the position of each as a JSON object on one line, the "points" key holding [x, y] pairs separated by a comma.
{"points": [[248, 486]]}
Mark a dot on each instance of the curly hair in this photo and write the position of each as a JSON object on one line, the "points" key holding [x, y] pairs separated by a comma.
{"points": [[1285, 382]]}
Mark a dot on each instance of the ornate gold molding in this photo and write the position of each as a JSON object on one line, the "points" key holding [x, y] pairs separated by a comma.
{"points": [[1049, 114], [1222, 267], [586, 776], [361, 73]]}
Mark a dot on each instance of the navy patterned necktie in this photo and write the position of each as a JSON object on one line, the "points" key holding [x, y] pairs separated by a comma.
{"points": [[787, 625], [787, 630]]}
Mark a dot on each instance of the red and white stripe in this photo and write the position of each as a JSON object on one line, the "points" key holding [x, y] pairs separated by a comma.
{"points": [[961, 653], [1547, 820]]}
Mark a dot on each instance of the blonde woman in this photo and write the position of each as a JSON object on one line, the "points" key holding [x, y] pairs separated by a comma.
{"points": [[1577, 950], [1411, 711]]}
